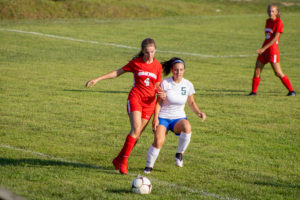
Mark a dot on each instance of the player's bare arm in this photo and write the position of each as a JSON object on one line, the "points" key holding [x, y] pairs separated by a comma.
{"points": [[155, 120], [160, 93], [192, 104], [264, 48], [113, 74]]}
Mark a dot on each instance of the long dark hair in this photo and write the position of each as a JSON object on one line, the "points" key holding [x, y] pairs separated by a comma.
{"points": [[145, 43], [167, 65], [274, 5]]}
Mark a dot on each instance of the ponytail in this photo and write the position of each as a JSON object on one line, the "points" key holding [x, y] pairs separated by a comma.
{"points": [[167, 65], [145, 43]]}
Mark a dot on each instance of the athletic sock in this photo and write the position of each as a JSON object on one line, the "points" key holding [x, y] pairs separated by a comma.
{"points": [[152, 156], [184, 140], [126, 150], [255, 84], [286, 82]]}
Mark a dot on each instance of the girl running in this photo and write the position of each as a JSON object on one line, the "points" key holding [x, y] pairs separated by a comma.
{"points": [[141, 99], [169, 113], [269, 52]]}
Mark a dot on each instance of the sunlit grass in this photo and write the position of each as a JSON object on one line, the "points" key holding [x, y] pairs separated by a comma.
{"points": [[247, 149]]}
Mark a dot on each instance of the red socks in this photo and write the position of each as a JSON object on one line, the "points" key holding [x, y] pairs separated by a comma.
{"points": [[255, 84], [120, 162], [126, 150], [286, 82]]}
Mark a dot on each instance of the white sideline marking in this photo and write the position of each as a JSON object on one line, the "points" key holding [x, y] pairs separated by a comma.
{"points": [[177, 187], [124, 46]]}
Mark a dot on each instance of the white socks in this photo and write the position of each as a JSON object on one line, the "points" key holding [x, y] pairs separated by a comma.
{"points": [[183, 143], [152, 156]]}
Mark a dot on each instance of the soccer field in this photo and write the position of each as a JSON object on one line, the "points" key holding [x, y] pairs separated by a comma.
{"points": [[57, 138]]}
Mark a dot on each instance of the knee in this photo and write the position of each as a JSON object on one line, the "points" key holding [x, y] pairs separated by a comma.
{"points": [[279, 74], [158, 142], [257, 72], [187, 128], [136, 131]]}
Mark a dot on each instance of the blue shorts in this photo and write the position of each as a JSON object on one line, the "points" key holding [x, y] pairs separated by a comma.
{"points": [[169, 123]]}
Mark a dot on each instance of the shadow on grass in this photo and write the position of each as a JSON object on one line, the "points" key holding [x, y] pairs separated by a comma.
{"points": [[40, 162], [93, 91], [199, 92], [273, 184], [120, 191], [222, 92], [231, 92], [140, 171]]}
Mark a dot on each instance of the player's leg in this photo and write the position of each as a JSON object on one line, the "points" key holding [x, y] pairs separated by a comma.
{"points": [[256, 77], [154, 149], [182, 127], [120, 162], [284, 79], [137, 124], [144, 125]]}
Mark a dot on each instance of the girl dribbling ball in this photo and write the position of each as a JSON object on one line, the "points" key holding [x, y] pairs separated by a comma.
{"points": [[141, 99]]}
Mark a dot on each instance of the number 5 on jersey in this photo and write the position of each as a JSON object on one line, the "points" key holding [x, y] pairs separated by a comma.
{"points": [[183, 90]]}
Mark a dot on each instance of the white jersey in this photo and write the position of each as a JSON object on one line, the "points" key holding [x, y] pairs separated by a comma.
{"points": [[177, 94]]}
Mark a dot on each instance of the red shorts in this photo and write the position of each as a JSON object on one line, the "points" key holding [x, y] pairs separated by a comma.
{"points": [[145, 105], [268, 57]]}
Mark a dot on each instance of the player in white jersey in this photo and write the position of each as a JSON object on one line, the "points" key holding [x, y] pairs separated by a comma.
{"points": [[169, 113]]}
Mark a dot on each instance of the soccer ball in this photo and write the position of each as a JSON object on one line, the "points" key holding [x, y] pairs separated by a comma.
{"points": [[141, 185]]}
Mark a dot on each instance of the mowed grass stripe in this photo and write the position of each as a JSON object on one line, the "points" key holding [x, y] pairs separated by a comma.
{"points": [[126, 47], [155, 180]]}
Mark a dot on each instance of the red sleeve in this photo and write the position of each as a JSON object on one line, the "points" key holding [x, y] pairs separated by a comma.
{"points": [[279, 28], [159, 73], [128, 67]]}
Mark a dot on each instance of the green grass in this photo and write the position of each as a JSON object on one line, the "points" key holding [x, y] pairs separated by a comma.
{"points": [[49, 9], [248, 148]]}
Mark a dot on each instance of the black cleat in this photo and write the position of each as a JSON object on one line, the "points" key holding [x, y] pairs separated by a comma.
{"points": [[291, 93], [178, 160], [148, 170], [252, 94]]}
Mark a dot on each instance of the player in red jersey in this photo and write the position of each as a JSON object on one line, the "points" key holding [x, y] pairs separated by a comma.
{"points": [[269, 52], [141, 99]]}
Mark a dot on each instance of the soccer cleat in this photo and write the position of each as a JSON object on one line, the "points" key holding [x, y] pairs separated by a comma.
{"points": [[116, 164], [291, 93], [252, 94], [178, 160], [123, 168], [148, 170]]}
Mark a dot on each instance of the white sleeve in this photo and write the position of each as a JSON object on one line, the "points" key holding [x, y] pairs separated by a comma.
{"points": [[163, 84], [191, 89]]}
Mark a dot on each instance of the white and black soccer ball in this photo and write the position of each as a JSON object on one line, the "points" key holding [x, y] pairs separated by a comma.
{"points": [[141, 185]]}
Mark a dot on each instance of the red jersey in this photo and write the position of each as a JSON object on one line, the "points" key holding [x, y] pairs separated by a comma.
{"points": [[145, 77], [273, 27]]}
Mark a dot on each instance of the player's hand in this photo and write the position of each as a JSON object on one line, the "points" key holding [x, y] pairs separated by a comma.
{"points": [[202, 115], [155, 124], [90, 83], [260, 51], [160, 93]]}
